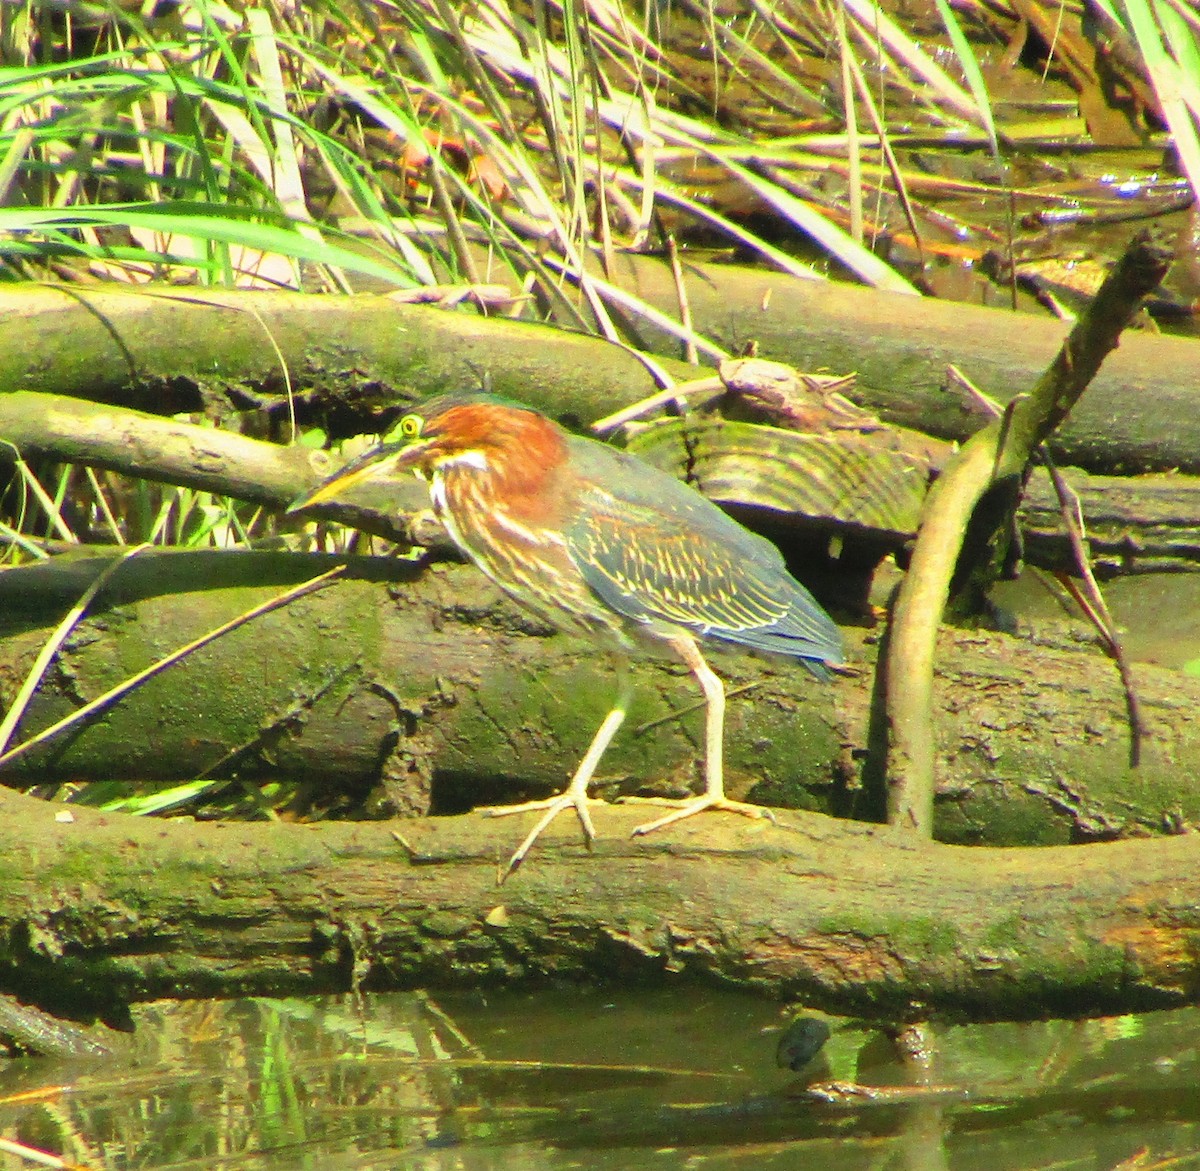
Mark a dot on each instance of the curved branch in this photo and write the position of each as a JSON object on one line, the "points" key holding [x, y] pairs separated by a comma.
{"points": [[998, 452]]}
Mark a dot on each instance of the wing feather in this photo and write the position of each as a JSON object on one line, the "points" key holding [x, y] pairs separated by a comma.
{"points": [[679, 559]]}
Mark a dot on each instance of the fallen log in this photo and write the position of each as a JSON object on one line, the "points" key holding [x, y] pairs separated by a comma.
{"points": [[98, 910], [429, 688], [347, 357], [1136, 524]]}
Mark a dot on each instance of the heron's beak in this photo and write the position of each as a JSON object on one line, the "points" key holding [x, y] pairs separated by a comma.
{"points": [[380, 463]]}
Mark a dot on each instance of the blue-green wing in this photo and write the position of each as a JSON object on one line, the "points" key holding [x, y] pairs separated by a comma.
{"points": [[655, 550]]}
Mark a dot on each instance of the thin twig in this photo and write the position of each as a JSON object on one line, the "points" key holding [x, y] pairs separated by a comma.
{"points": [[974, 398], [1091, 601], [162, 664], [652, 402], [687, 710], [685, 306], [13, 716]]}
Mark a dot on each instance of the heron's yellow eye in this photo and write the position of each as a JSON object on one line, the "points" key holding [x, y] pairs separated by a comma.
{"points": [[408, 429]]}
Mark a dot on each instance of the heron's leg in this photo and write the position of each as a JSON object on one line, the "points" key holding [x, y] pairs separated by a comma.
{"points": [[575, 794], [713, 796]]}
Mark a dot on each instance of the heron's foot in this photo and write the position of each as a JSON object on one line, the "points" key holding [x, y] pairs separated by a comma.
{"points": [[693, 805], [551, 807], [554, 805]]}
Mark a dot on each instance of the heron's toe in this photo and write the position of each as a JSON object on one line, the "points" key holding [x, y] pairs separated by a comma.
{"points": [[701, 804]]}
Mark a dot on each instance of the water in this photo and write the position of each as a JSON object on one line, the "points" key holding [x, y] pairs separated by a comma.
{"points": [[570, 1078]]}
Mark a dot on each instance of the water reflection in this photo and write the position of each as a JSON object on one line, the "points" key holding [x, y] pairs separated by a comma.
{"points": [[600, 1079]]}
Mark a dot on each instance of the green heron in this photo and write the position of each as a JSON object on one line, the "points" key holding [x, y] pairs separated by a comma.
{"points": [[600, 544]]}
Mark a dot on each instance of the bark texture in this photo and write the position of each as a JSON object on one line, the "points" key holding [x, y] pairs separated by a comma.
{"points": [[433, 689], [348, 355], [854, 918]]}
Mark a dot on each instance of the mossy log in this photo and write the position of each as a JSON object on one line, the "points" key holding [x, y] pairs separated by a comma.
{"points": [[429, 687], [346, 356], [1138, 414], [1134, 523], [102, 909], [331, 358]]}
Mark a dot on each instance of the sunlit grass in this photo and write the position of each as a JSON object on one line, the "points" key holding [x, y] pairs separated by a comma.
{"points": [[237, 148]]}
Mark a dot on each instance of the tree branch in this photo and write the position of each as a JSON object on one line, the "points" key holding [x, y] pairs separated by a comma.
{"points": [[998, 452]]}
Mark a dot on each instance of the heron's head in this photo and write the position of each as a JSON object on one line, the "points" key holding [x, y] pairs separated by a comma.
{"points": [[479, 432]]}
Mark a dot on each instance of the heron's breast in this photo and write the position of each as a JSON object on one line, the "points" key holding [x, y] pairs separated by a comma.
{"points": [[528, 560]]}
